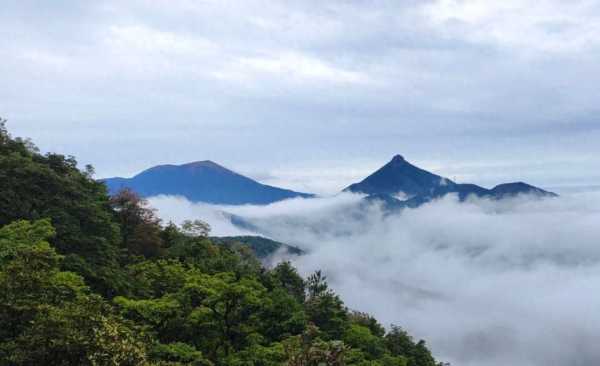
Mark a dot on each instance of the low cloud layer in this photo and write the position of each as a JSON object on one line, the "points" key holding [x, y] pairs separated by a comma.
{"points": [[485, 283]]}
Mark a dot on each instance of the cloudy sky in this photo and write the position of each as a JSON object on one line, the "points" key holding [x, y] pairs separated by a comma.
{"points": [[307, 95]]}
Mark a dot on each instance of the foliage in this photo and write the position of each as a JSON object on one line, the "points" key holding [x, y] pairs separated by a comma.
{"points": [[262, 247], [360, 337], [324, 308], [399, 342], [286, 276], [308, 349], [140, 228], [195, 228], [35, 186], [178, 352], [87, 279], [48, 315]]}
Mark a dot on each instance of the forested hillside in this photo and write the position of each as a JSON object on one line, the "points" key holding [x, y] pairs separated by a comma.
{"points": [[88, 279], [261, 247]]}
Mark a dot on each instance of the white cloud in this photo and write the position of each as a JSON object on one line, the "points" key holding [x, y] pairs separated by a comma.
{"points": [[547, 26], [486, 283], [323, 177], [293, 67], [146, 39], [300, 67], [45, 60], [178, 209]]}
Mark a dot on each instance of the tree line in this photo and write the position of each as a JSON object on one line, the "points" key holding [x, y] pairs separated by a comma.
{"points": [[89, 279]]}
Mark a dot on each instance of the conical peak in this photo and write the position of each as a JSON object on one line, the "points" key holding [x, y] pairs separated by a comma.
{"points": [[398, 159]]}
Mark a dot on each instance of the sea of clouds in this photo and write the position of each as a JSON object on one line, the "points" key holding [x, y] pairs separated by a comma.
{"points": [[486, 283]]}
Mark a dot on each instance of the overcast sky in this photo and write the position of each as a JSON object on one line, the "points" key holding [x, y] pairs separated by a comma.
{"points": [[307, 95]]}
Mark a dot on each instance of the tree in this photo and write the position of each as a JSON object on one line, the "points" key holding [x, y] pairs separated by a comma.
{"points": [[80, 332], [218, 313], [281, 316], [316, 284], [324, 308], [287, 277], [196, 228], [4, 136], [360, 337], [156, 278], [258, 355], [422, 356], [225, 306], [8, 144], [367, 321], [35, 186], [86, 279], [308, 349], [140, 228], [48, 316], [400, 343], [179, 353]]}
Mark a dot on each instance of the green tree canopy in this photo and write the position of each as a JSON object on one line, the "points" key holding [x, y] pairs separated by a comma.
{"points": [[49, 316], [88, 279]]}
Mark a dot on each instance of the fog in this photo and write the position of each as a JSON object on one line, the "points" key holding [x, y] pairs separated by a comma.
{"points": [[485, 283]]}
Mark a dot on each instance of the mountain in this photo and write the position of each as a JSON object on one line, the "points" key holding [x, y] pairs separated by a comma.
{"points": [[512, 189], [400, 177], [202, 181], [384, 186]]}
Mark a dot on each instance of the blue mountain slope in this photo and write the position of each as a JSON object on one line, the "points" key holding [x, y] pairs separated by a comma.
{"points": [[399, 176], [202, 181], [421, 186], [513, 189]]}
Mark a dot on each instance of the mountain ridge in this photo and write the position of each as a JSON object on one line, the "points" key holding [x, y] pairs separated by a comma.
{"points": [[201, 181], [399, 176], [209, 182]]}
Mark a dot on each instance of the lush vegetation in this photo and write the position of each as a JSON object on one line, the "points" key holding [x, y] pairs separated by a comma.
{"points": [[88, 279], [262, 247]]}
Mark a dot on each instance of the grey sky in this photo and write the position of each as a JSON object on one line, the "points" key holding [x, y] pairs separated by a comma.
{"points": [[306, 95]]}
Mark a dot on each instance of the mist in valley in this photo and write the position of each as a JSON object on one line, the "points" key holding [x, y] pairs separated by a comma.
{"points": [[485, 282]]}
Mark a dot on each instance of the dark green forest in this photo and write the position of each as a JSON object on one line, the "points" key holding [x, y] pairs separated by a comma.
{"points": [[89, 279], [261, 247]]}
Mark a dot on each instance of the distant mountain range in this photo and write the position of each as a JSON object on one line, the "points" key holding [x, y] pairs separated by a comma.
{"points": [[202, 181], [397, 184], [397, 176], [418, 186]]}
